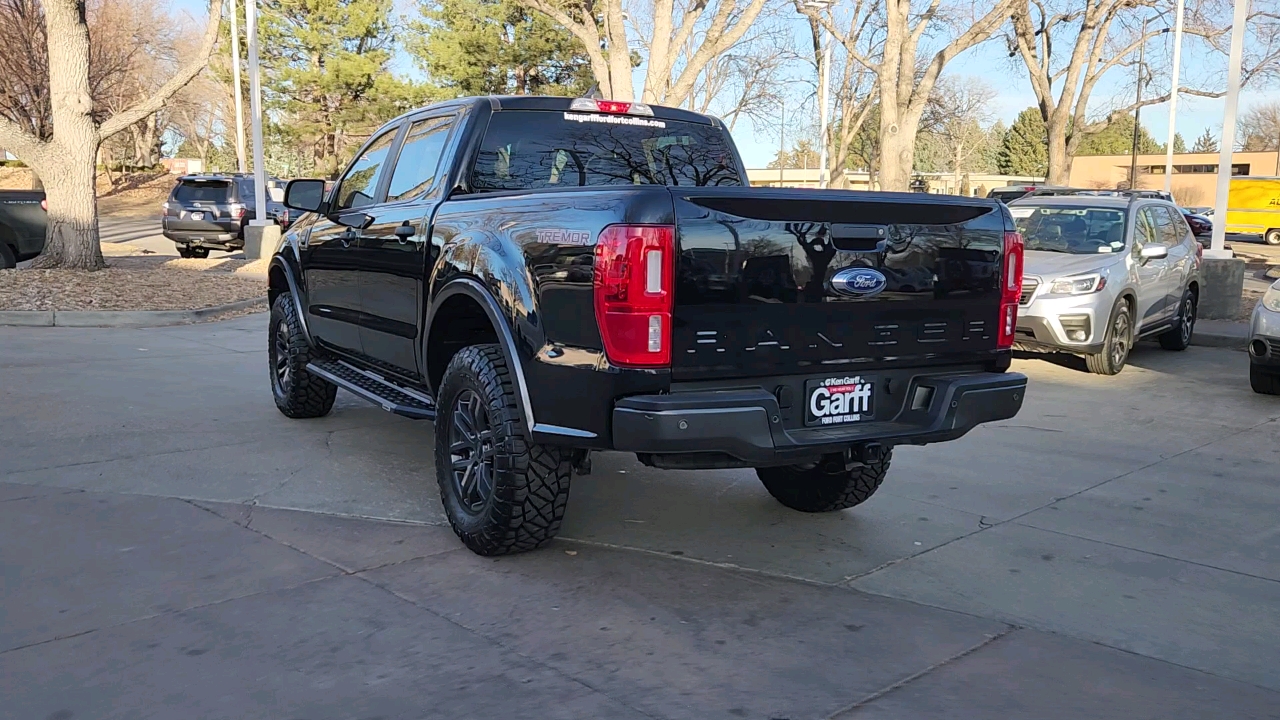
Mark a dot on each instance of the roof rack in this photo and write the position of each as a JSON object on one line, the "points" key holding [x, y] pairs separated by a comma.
{"points": [[1104, 192]]}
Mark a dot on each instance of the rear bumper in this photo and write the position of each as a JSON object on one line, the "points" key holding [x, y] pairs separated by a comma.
{"points": [[746, 424], [220, 239]]}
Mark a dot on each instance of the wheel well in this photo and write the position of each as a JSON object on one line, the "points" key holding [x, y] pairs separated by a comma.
{"points": [[1194, 289], [276, 284], [459, 322]]}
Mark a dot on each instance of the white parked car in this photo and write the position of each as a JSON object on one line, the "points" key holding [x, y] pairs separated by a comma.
{"points": [[1264, 343]]}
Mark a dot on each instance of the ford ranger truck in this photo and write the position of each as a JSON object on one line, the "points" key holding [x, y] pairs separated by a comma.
{"points": [[543, 278]]}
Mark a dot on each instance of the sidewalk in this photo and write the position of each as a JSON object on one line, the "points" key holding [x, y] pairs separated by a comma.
{"points": [[136, 606], [1221, 333]]}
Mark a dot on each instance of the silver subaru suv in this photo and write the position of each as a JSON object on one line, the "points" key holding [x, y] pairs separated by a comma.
{"points": [[1104, 271]]}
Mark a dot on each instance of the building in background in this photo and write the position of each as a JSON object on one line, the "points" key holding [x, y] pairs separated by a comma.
{"points": [[939, 183], [1194, 174]]}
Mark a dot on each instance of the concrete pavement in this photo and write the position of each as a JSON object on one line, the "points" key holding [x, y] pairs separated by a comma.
{"points": [[172, 546]]}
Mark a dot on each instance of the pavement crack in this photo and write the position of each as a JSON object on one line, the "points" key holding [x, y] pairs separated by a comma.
{"points": [[844, 711]]}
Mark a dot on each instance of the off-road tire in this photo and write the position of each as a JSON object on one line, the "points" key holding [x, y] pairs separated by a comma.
{"points": [[814, 490], [8, 260], [298, 393], [1264, 382], [1179, 337], [1272, 236], [1111, 360], [190, 252], [528, 483]]}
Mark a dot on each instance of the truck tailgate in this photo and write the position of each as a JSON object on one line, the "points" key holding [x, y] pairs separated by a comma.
{"points": [[768, 281]]}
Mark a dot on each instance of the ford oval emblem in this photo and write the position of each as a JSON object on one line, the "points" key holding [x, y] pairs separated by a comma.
{"points": [[858, 282]]}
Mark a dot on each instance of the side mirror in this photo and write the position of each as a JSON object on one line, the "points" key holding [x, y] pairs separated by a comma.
{"points": [[304, 195], [1154, 252]]}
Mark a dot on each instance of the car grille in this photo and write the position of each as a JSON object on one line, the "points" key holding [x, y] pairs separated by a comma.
{"points": [[1029, 286]]}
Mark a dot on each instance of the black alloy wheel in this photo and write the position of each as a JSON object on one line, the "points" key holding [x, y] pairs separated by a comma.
{"points": [[471, 452], [283, 373]]}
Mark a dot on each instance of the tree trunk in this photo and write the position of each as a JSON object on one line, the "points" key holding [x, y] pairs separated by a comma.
{"points": [[897, 151], [1059, 158], [71, 240]]}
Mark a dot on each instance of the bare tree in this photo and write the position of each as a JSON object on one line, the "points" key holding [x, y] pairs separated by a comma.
{"points": [[895, 39], [1259, 128], [963, 112], [65, 159], [1069, 45], [712, 26], [854, 87], [745, 80]]}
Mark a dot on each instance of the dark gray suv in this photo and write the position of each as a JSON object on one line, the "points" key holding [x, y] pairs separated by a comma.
{"points": [[209, 212]]}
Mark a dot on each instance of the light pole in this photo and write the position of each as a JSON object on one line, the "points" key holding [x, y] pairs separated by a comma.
{"points": [[255, 110], [824, 86], [235, 81], [1173, 99], [1137, 110], [1219, 246]]}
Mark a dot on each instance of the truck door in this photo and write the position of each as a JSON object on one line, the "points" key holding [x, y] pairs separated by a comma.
{"points": [[394, 251], [329, 265]]}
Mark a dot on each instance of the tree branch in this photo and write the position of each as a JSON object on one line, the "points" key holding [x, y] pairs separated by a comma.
{"points": [[186, 74], [27, 147]]}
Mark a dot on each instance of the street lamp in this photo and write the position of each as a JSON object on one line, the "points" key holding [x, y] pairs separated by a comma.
{"points": [[824, 83], [1137, 110]]}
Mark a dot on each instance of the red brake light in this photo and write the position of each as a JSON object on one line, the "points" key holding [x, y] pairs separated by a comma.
{"points": [[634, 290], [1010, 290], [615, 107]]}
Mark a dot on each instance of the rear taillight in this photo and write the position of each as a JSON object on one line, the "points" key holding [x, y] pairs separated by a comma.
{"points": [[1010, 290], [634, 293], [44, 205], [237, 210]]}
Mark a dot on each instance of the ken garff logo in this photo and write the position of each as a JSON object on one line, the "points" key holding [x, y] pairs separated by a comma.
{"points": [[858, 282]]}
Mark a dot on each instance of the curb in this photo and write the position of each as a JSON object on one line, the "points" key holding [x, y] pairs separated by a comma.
{"points": [[120, 318], [1234, 342]]}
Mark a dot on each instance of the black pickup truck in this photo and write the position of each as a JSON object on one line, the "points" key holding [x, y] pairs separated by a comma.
{"points": [[22, 225], [546, 277]]}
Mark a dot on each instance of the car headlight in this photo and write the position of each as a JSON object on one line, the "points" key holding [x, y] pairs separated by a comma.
{"points": [[1078, 284], [1271, 298]]}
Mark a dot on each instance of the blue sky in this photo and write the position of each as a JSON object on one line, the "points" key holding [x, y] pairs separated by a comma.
{"points": [[990, 63]]}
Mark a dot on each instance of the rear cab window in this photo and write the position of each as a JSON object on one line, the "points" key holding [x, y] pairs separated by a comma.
{"points": [[536, 149]]}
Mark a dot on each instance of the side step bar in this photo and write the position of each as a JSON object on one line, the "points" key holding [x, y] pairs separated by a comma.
{"points": [[378, 390]]}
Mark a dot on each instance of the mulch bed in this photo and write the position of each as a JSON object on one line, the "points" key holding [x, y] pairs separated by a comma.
{"points": [[135, 283]]}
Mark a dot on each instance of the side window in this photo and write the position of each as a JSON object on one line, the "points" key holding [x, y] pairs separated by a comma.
{"points": [[419, 160], [1144, 229], [1176, 230], [357, 187]]}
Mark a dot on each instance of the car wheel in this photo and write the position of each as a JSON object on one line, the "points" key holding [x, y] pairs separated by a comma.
{"points": [[8, 259], [199, 253], [1272, 237], [1264, 382], [298, 393], [185, 251], [501, 493], [816, 488], [1179, 338], [1119, 341]]}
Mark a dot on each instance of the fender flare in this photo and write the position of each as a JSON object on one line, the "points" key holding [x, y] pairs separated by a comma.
{"points": [[506, 341], [294, 292]]}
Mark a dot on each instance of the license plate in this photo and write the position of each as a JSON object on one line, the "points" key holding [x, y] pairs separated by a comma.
{"points": [[838, 400], [197, 216]]}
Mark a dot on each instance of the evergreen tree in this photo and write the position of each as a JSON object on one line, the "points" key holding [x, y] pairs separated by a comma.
{"points": [[328, 84], [1117, 139], [1179, 145], [1206, 143], [1025, 150], [496, 47]]}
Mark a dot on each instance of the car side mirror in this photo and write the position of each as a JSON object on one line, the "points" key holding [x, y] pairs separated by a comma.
{"points": [[1154, 252], [304, 195]]}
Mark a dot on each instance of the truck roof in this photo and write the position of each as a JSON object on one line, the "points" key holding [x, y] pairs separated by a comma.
{"points": [[498, 103]]}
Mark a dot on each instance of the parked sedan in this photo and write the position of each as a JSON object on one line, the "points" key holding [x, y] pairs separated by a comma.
{"points": [[1264, 343]]}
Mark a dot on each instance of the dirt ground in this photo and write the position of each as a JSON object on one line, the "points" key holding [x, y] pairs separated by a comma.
{"points": [[137, 194]]}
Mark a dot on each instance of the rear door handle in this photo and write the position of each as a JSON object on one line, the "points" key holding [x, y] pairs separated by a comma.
{"points": [[404, 233], [347, 237]]}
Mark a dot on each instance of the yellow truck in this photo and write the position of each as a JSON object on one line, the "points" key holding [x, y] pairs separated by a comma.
{"points": [[1253, 207]]}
